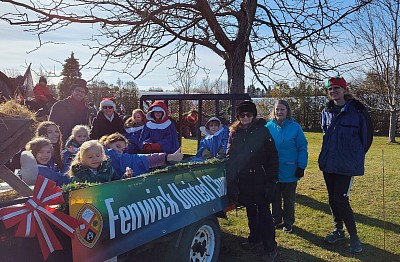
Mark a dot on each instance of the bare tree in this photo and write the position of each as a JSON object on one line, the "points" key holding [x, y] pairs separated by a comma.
{"points": [[377, 37], [272, 33], [185, 78]]}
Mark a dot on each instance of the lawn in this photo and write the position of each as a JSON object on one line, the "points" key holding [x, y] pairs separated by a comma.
{"points": [[376, 210]]}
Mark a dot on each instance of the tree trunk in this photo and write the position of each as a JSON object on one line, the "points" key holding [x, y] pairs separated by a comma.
{"points": [[237, 50], [235, 70], [392, 126]]}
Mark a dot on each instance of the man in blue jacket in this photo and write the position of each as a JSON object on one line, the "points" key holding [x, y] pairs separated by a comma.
{"points": [[348, 134]]}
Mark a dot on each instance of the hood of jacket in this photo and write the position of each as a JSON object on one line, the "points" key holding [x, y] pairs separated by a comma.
{"points": [[157, 106]]}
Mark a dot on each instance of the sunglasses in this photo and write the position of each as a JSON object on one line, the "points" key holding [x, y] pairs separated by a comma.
{"points": [[334, 88], [108, 107], [243, 115]]}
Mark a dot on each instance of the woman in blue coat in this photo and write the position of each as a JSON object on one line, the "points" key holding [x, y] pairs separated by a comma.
{"points": [[291, 145]]}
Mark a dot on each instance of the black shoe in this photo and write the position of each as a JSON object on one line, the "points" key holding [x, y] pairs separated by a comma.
{"points": [[287, 228], [251, 245], [278, 224], [270, 256], [335, 236], [355, 244]]}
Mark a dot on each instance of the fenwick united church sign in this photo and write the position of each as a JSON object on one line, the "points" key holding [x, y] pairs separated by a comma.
{"points": [[125, 214]]}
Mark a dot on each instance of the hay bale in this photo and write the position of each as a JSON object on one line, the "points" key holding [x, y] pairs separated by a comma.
{"points": [[13, 109]]}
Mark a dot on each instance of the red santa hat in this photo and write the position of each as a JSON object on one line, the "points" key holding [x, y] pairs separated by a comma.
{"points": [[107, 101]]}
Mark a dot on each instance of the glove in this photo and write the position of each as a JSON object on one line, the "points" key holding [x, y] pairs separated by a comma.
{"points": [[175, 157], [299, 172], [206, 154], [151, 148]]}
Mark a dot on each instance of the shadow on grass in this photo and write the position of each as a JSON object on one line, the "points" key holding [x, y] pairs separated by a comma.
{"points": [[369, 253], [324, 207], [231, 251]]}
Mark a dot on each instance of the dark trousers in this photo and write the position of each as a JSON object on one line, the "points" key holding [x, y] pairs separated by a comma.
{"points": [[261, 226], [287, 193], [338, 191]]}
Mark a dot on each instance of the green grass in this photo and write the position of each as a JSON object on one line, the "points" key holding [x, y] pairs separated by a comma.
{"points": [[376, 211]]}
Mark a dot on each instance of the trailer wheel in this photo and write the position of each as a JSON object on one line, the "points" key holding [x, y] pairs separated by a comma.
{"points": [[200, 242]]}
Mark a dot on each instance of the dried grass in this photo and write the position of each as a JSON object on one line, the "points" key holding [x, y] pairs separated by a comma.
{"points": [[9, 195], [13, 109]]}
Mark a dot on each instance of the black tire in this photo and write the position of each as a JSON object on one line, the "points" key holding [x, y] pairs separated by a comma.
{"points": [[199, 242]]}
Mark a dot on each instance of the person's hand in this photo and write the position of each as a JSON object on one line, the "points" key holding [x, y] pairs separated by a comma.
{"points": [[128, 172], [299, 172], [151, 147], [70, 149], [175, 157]]}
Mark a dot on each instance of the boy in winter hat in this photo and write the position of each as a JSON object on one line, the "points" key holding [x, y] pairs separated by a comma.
{"points": [[215, 141]]}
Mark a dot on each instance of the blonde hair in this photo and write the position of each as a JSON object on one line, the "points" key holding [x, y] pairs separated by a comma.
{"points": [[130, 122], [38, 143], [281, 102], [80, 156], [78, 128], [109, 139]]}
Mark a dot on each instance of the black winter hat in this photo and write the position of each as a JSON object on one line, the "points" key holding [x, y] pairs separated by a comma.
{"points": [[43, 79], [246, 106], [79, 83]]}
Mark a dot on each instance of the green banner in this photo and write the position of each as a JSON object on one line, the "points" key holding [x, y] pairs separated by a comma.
{"points": [[125, 214]]}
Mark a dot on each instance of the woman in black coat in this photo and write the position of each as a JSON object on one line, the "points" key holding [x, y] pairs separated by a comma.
{"points": [[252, 172], [107, 121]]}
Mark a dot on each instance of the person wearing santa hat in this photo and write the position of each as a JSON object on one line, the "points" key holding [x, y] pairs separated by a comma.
{"points": [[159, 134], [107, 120]]}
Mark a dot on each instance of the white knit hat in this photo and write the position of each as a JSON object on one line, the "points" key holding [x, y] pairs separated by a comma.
{"points": [[107, 102]]}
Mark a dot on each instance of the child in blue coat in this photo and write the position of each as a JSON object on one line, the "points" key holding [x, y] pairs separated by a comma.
{"points": [[139, 163], [159, 133], [133, 130], [215, 142], [42, 149]]}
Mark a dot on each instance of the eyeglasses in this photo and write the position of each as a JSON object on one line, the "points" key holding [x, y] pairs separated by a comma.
{"points": [[243, 115], [82, 91], [334, 88], [108, 107]]}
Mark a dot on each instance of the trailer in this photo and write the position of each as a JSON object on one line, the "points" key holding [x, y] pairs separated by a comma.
{"points": [[177, 205]]}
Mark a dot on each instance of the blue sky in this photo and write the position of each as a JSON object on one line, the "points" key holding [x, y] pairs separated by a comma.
{"points": [[17, 53], [17, 46]]}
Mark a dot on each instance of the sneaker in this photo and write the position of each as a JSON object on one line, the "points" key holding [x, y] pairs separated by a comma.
{"points": [[270, 256], [251, 245], [335, 236], [278, 224], [355, 244], [287, 228]]}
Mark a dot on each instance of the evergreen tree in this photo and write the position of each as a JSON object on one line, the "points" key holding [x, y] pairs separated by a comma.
{"points": [[70, 72]]}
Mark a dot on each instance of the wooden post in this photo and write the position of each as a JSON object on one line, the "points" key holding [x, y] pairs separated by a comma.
{"points": [[15, 182], [14, 134]]}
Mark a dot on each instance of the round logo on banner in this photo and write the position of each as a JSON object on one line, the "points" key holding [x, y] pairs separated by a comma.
{"points": [[90, 231]]}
